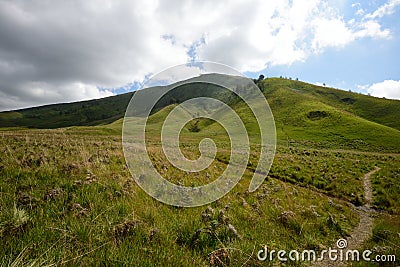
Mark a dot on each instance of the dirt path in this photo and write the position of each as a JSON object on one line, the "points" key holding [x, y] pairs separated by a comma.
{"points": [[368, 187], [364, 229]]}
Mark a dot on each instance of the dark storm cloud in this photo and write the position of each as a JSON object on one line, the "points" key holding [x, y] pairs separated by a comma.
{"points": [[49, 47]]}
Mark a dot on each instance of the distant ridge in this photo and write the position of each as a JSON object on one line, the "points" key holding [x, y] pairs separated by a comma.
{"points": [[90, 112]]}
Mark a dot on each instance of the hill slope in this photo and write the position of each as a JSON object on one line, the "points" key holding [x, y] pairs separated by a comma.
{"points": [[301, 120], [109, 109], [310, 119], [304, 114], [380, 110]]}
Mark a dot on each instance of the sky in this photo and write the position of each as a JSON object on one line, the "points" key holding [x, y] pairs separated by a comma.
{"points": [[64, 51]]}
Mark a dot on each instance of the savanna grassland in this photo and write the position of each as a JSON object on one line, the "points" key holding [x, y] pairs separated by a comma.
{"points": [[67, 197]]}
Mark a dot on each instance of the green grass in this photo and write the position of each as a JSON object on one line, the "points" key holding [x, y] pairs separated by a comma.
{"points": [[379, 110], [385, 239], [281, 93], [76, 204], [386, 185], [329, 170], [297, 125], [336, 128]]}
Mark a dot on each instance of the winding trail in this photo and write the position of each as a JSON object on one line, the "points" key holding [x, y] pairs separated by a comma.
{"points": [[364, 229]]}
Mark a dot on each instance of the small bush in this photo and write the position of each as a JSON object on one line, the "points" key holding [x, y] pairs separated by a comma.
{"points": [[315, 115]]}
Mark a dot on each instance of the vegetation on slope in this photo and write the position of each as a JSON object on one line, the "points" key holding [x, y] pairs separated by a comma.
{"points": [[304, 118], [106, 110], [379, 110]]}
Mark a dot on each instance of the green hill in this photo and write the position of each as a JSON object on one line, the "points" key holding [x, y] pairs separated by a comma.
{"points": [[305, 114], [380, 110], [304, 120], [306, 117], [312, 116], [109, 109]]}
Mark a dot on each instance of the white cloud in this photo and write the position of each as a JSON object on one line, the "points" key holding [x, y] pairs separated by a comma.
{"points": [[35, 92], [386, 9], [336, 32], [360, 11], [387, 88], [372, 29], [331, 33], [265, 33], [55, 51]]}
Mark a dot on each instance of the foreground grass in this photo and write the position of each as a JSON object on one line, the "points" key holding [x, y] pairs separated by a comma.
{"points": [[66, 198], [385, 239]]}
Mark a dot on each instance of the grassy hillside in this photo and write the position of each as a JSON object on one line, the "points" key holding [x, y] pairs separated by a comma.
{"points": [[304, 119], [283, 95], [307, 118], [379, 110], [109, 109]]}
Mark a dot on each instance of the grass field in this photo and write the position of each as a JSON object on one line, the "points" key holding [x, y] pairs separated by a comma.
{"points": [[67, 198]]}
